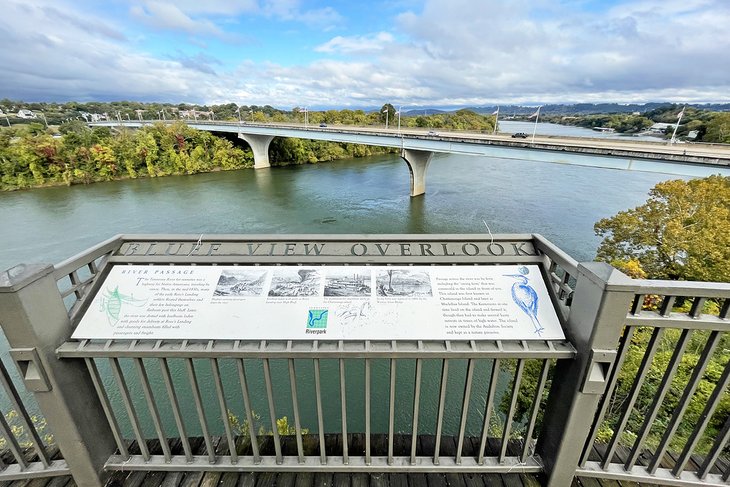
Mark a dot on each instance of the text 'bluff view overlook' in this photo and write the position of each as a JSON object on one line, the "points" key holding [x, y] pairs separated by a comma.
{"points": [[410, 243]]}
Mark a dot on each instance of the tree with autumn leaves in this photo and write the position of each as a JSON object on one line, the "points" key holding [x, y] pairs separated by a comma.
{"points": [[682, 232]]}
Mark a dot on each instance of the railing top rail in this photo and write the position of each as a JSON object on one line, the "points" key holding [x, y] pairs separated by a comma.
{"points": [[71, 264], [344, 237], [556, 254], [684, 288], [532, 349]]}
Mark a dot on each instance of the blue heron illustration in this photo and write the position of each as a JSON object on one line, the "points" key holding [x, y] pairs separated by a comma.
{"points": [[525, 297]]}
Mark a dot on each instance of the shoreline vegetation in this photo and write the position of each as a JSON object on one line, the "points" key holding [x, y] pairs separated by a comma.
{"points": [[30, 157], [57, 147], [34, 156]]}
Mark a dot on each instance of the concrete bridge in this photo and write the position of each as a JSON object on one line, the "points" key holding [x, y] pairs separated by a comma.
{"points": [[417, 147]]}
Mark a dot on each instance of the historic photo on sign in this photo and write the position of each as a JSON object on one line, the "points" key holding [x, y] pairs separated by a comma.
{"points": [[240, 283], [295, 281], [403, 283], [345, 282]]}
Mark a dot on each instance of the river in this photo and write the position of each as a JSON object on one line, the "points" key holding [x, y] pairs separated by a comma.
{"points": [[369, 195]]}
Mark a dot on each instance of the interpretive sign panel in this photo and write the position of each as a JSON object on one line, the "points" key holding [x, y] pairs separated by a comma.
{"points": [[506, 302]]}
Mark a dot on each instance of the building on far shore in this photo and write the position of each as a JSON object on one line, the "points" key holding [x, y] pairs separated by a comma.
{"points": [[23, 113]]}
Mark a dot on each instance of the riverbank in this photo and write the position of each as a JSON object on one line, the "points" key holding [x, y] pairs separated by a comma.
{"points": [[30, 160]]}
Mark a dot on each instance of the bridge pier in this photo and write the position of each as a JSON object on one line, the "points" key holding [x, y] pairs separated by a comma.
{"points": [[260, 147], [418, 161]]}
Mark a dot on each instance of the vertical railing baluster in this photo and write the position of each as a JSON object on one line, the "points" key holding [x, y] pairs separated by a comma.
{"points": [[17, 404], [175, 404], [656, 404], [152, 406], [535, 408], [510, 413], [195, 389], [464, 409], [343, 406], [712, 402], [272, 410], [224, 409], [442, 404], [12, 443], [624, 345], [391, 412], [106, 405], [368, 459], [720, 442], [416, 404], [689, 390], [124, 392], [320, 415], [249, 412], [295, 405], [493, 379], [628, 406]]}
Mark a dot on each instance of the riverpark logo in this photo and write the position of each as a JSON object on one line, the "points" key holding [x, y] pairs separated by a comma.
{"points": [[317, 321]]}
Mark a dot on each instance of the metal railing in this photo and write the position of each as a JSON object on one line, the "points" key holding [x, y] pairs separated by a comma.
{"points": [[269, 370], [32, 454], [646, 411], [584, 406]]}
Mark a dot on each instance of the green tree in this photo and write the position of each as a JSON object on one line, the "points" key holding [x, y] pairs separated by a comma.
{"points": [[681, 232], [718, 129], [391, 113]]}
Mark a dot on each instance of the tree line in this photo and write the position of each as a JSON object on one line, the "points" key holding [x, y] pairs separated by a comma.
{"points": [[30, 156]]}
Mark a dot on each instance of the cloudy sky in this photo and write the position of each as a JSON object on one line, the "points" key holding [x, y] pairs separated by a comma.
{"points": [[347, 53]]}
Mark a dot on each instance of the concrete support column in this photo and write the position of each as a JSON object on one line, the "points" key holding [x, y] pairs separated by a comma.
{"points": [[260, 147], [36, 323], [417, 161]]}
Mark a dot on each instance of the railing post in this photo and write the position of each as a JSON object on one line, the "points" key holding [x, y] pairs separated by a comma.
{"points": [[35, 322], [601, 301]]}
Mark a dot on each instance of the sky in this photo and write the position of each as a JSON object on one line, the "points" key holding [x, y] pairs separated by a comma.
{"points": [[350, 54]]}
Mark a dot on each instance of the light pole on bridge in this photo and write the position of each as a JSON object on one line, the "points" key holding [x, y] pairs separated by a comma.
{"points": [[386, 117]]}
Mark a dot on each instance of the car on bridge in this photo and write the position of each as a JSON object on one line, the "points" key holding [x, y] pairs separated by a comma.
{"points": [[519, 135], [322, 124]]}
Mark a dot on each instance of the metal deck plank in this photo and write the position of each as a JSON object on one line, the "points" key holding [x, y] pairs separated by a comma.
{"points": [[172, 479], [417, 479], [229, 479], [246, 479], [341, 479], [286, 479], [154, 479], [436, 480], [480, 480], [360, 479], [323, 479], [398, 480], [266, 479], [379, 479], [304, 479], [192, 479]]}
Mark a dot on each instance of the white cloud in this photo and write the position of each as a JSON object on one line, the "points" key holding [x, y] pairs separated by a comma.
{"points": [[449, 53], [164, 15], [372, 43]]}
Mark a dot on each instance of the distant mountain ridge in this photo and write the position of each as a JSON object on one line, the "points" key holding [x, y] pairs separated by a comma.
{"points": [[594, 108]]}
